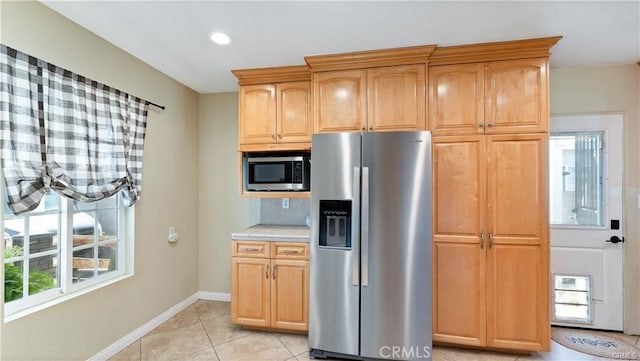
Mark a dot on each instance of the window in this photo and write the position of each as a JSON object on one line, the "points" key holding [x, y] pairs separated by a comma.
{"points": [[62, 247], [575, 174]]}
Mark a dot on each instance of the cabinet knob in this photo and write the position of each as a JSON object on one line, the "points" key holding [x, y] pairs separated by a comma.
{"points": [[364, 128], [273, 135], [490, 125], [279, 135], [480, 125], [371, 127]]}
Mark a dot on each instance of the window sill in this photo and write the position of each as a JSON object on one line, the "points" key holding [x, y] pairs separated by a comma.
{"points": [[66, 297]]}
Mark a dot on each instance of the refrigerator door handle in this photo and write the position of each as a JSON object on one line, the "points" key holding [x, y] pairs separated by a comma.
{"points": [[355, 272], [364, 215]]}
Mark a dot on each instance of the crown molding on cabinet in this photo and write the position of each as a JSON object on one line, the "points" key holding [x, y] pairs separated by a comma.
{"points": [[370, 58], [272, 75], [504, 50]]}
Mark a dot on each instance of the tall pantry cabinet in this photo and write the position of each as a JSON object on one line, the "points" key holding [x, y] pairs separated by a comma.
{"points": [[489, 114]]}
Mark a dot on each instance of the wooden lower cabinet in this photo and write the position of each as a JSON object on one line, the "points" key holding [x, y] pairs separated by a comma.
{"points": [[459, 302], [289, 294], [517, 315], [490, 241], [250, 291], [270, 285]]}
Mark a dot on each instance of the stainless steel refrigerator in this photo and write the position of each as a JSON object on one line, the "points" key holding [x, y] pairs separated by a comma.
{"points": [[370, 262]]}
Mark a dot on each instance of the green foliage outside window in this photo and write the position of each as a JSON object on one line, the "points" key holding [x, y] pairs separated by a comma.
{"points": [[38, 280]]}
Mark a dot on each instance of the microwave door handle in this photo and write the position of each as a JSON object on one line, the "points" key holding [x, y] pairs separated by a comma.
{"points": [[354, 209]]}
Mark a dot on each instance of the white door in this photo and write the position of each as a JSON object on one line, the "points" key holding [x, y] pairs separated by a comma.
{"points": [[585, 188]]}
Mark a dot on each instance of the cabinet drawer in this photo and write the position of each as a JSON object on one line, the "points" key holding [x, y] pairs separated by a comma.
{"points": [[290, 250], [251, 249]]}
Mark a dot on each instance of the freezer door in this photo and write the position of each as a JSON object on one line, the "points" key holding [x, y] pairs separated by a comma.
{"points": [[334, 260], [396, 246]]}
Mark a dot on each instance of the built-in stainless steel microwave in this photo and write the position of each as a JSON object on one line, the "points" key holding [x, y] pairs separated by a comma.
{"points": [[277, 171]]}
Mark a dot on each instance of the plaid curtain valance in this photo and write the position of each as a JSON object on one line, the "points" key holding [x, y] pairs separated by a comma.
{"points": [[62, 131]]}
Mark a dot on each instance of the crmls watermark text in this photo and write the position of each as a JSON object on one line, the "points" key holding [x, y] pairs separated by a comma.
{"points": [[626, 356], [402, 352]]}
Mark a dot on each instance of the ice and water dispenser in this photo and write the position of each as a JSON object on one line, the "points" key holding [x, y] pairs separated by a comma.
{"points": [[335, 223]]}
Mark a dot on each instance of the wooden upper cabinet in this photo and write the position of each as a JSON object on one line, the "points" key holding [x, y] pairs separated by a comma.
{"points": [[275, 113], [339, 101], [508, 96], [490, 88], [396, 98], [376, 90], [378, 99], [456, 99], [293, 112], [516, 96], [274, 108], [257, 114]]}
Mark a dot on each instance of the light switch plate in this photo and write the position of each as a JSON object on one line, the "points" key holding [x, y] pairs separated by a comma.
{"points": [[285, 203]]}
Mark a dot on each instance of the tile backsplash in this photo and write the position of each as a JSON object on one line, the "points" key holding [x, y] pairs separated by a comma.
{"points": [[271, 211]]}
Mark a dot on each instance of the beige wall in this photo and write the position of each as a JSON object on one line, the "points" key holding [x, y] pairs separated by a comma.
{"points": [[601, 90], [222, 210], [164, 274]]}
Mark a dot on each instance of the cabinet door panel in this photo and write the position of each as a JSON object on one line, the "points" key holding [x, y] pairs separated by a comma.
{"points": [[456, 99], [339, 101], [257, 114], [459, 293], [250, 291], [517, 297], [290, 289], [396, 98], [459, 256], [517, 188], [458, 186], [517, 96], [294, 112]]}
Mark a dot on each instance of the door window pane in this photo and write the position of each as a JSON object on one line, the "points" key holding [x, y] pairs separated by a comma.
{"points": [[575, 179]]}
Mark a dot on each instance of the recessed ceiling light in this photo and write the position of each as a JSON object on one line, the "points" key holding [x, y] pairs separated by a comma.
{"points": [[220, 38]]}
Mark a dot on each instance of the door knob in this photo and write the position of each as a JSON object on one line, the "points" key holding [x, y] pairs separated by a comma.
{"points": [[615, 239]]}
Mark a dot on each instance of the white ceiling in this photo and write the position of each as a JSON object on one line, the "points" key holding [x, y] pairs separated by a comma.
{"points": [[172, 36]]}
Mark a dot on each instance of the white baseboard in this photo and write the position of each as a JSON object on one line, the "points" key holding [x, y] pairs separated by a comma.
{"points": [[215, 296], [133, 336]]}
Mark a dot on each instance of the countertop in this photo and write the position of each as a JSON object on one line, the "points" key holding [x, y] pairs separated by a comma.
{"points": [[273, 233]]}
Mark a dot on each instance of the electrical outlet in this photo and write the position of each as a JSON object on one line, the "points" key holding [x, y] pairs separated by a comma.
{"points": [[285, 203]]}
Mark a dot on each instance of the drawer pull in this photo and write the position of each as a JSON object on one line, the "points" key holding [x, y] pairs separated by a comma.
{"points": [[290, 251], [250, 250]]}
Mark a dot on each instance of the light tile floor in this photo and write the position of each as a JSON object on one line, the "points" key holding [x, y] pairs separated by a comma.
{"points": [[203, 332]]}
